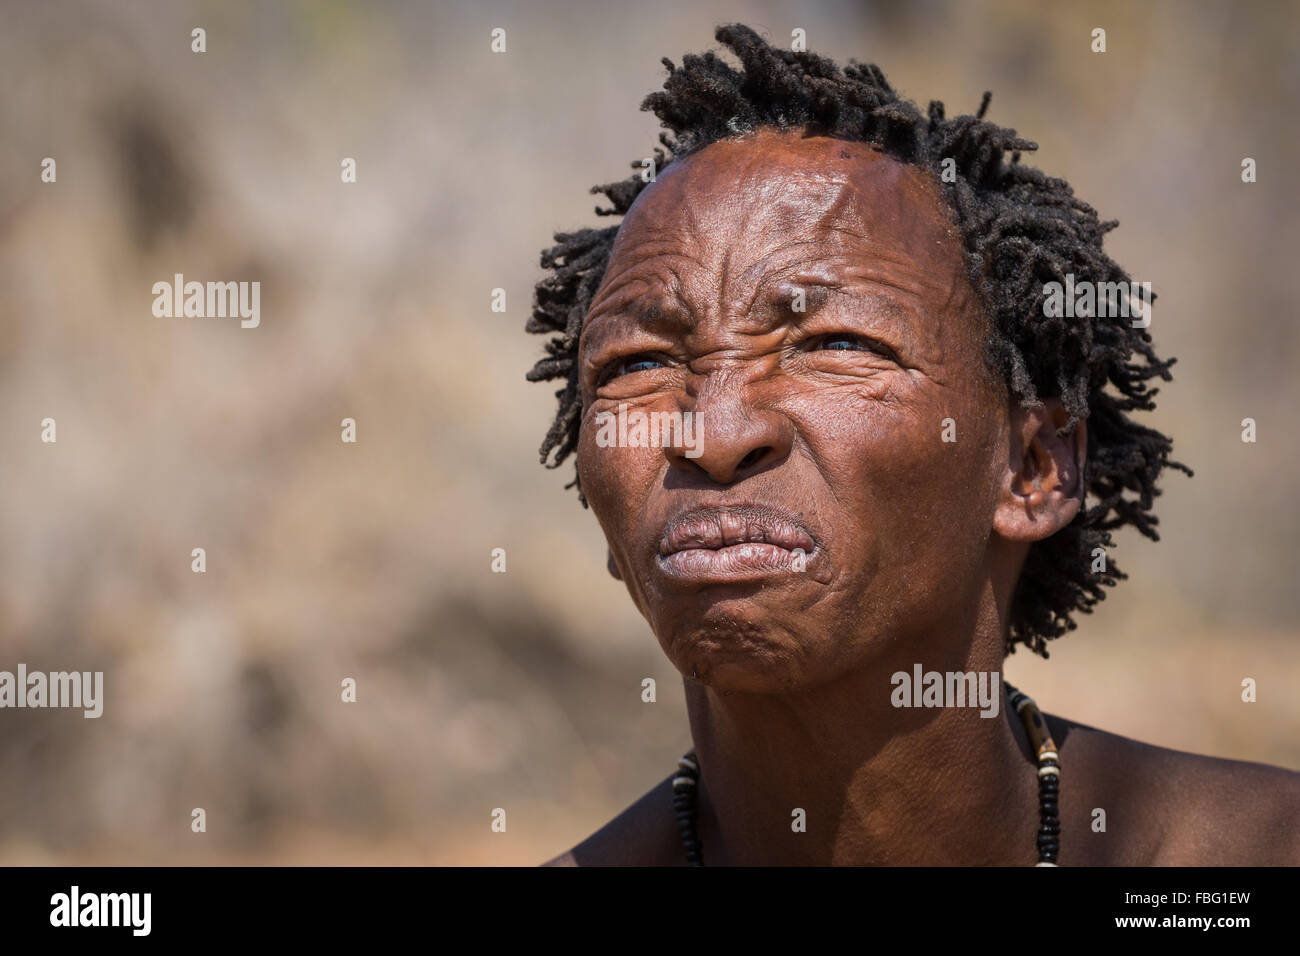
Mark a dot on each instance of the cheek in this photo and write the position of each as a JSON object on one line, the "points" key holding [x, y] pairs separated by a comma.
{"points": [[616, 482], [908, 498]]}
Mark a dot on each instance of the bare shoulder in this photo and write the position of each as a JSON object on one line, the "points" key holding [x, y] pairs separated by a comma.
{"points": [[1170, 808], [642, 835]]}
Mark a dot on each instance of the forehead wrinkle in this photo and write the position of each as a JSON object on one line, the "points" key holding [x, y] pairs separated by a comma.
{"points": [[625, 259], [664, 215], [840, 214], [813, 233], [828, 264], [659, 271]]}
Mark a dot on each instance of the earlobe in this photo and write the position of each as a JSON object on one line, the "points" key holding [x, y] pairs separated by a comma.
{"points": [[1042, 488]]}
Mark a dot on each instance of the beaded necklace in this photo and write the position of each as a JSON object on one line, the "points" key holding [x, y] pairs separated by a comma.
{"points": [[1040, 740]]}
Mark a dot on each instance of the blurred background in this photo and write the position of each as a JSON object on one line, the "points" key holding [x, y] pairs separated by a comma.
{"points": [[328, 560]]}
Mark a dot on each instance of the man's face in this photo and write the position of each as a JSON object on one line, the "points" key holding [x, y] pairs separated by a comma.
{"points": [[820, 430]]}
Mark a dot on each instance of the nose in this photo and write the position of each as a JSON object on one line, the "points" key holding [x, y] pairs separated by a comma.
{"points": [[735, 436]]}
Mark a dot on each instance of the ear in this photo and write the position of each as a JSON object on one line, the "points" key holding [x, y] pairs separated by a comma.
{"points": [[1042, 489], [613, 568]]}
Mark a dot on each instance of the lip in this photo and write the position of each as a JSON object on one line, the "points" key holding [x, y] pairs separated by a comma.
{"points": [[734, 543]]}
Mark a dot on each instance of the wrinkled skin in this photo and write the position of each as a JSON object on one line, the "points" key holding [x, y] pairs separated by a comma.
{"points": [[833, 416], [847, 438]]}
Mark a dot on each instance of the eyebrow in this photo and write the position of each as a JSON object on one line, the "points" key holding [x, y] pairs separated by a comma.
{"points": [[779, 294], [657, 314], [875, 298], [819, 292]]}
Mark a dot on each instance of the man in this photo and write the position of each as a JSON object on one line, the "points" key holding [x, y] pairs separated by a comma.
{"points": [[897, 434]]}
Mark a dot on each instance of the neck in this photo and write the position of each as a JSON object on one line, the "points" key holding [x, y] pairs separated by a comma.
{"points": [[878, 784]]}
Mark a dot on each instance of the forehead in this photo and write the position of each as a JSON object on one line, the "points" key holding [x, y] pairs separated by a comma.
{"points": [[741, 210]]}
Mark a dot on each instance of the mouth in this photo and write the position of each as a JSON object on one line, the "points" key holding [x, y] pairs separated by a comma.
{"points": [[736, 543]]}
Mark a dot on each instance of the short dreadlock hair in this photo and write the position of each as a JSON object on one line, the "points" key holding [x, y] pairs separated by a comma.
{"points": [[1020, 229]]}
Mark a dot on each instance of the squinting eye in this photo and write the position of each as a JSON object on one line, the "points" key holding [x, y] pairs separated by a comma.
{"points": [[627, 366], [843, 343], [846, 342]]}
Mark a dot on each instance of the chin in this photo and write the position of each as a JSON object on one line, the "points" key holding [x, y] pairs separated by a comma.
{"points": [[746, 652]]}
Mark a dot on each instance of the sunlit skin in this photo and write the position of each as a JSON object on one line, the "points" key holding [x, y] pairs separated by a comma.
{"points": [[834, 416]]}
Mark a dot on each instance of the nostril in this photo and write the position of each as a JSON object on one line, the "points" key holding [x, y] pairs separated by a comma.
{"points": [[753, 457]]}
